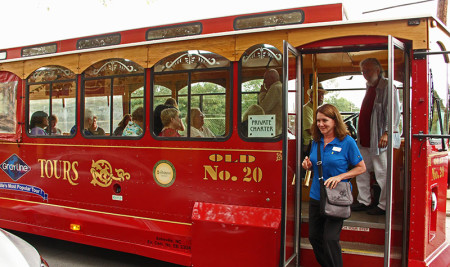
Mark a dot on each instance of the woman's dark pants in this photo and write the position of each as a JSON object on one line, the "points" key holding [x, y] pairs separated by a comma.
{"points": [[324, 234]]}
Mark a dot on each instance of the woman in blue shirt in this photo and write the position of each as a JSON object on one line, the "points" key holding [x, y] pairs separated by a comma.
{"points": [[338, 152]]}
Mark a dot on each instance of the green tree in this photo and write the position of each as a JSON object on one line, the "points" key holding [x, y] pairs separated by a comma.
{"points": [[250, 90], [342, 104]]}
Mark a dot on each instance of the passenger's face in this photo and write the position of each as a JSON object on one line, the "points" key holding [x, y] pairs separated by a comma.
{"points": [[45, 121], [198, 119], [320, 98], [94, 123], [370, 73], [325, 124]]}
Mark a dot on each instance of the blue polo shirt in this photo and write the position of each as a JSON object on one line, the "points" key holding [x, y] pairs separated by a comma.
{"points": [[336, 158]]}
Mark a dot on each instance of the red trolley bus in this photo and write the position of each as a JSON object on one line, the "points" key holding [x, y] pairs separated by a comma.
{"points": [[236, 197]]}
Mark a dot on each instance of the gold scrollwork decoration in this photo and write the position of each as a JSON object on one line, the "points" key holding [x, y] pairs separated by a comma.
{"points": [[279, 156], [102, 174]]}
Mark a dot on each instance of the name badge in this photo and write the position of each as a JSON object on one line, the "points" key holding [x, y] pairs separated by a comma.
{"points": [[337, 149]]}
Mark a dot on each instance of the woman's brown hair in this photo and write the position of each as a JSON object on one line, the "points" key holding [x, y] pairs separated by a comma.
{"points": [[138, 114], [331, 112], [124, 122]]}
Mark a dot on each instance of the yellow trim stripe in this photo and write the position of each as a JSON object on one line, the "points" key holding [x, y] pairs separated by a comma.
{"points": [[146, 147], [363, 252], [96, 211]]}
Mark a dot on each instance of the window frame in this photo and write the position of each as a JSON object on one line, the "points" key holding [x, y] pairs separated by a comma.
{"points": [[50, 99], [111, 109], [15, 135], [240, 112], [228, 95]]}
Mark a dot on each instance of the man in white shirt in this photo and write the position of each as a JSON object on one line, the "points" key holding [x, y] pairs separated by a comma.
{"points": [[197, 124]]}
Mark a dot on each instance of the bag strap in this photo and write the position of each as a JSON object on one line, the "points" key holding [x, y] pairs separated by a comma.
{"points": [[319, 162]]}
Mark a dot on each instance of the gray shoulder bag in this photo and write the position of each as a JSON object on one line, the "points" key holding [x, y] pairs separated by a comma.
{"points": [[334, 203]]}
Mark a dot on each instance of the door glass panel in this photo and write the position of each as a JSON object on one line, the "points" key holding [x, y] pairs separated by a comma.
{"points": [[291, 215], [398, 164], [292, 104]]}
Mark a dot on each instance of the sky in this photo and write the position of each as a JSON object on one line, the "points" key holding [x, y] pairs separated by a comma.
{"points": [[28, 22]]}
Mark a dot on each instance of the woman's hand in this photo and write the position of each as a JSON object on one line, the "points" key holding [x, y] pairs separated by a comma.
{"points": [[306, 164], [332, 182]]}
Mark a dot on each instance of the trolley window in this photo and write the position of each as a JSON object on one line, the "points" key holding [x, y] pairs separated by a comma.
{"points": [[8, 102], [39, 50], [112, 91], [270, 19], [199, 82], [174, 31], [260, 98], [99, 41], [51, 92], [3, 55]]}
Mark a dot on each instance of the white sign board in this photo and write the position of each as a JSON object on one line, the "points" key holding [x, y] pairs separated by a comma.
{"points": [[261, 126]]}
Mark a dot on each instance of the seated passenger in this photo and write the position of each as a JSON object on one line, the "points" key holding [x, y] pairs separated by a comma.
{"points": [[171, 102], [90, 124], [122, 124], [157, 123], [197, 124], [136, 126], [51, 129], [38, 122], [270, 97], [172, 123], [252, 110]]}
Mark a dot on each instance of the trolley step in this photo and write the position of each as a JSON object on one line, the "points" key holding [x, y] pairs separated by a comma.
{"points": [[360, 228], [357, 231], [351, 253]]}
